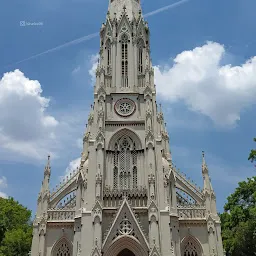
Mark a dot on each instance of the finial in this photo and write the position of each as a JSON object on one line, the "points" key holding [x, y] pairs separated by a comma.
{"points": [[160, 107], [124, 7], [47, 170]]}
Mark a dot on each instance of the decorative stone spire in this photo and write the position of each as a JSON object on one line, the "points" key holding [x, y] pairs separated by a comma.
{"points": [[47, 175], [47, 169], [132, 8], [207, 183]]}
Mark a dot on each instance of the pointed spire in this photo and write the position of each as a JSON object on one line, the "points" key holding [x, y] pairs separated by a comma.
{"points": [[130, 7], [47, 169], [160, 105], [205, 172], [204, 165]]}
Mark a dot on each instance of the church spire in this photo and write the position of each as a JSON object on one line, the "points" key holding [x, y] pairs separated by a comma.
{"points": [[131, 8]]}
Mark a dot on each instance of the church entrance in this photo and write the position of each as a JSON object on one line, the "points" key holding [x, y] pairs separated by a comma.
{"points": [[126, 252]]}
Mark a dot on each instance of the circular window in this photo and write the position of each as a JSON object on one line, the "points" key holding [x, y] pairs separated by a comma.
{"points": [[125, 107]]}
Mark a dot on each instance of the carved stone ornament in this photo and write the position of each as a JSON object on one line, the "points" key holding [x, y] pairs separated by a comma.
{"points": [[125, 107]]}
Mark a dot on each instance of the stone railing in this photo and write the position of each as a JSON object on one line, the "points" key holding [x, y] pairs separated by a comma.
{"points": [[136, 196], [191, 212], [61, 214]]}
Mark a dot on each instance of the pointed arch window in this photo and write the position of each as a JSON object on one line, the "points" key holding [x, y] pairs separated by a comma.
{"points": [[140, 55], [124, 48], [191, 248], [125, 164], [108, 48], [62, 249]]}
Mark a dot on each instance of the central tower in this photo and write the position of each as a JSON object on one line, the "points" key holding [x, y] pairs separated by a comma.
{"points": [[126, 146]]}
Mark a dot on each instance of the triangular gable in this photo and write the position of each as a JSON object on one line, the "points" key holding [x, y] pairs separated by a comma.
{"points": [[97, 207], [154, 251], [152, 210], [125, 223], [108, 30], [141, 31], [101, 92], [81, 177], [147, 92], [96, 252], [124, 25]]}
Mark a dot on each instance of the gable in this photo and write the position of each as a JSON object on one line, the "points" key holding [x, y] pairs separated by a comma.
{"points": [[125, 224], [124, 26]]}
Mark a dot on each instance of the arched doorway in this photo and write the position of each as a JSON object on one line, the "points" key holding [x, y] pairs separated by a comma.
{"points": [[126, 252]]}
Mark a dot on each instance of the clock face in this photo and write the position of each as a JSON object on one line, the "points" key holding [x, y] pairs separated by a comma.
{"points": [[125, 107]]}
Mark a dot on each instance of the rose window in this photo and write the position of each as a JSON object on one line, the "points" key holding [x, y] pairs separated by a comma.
{"points": [[124, 107]]}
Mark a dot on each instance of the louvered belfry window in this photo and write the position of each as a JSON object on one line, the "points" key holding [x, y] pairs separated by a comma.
{"points": [[124, 45]]}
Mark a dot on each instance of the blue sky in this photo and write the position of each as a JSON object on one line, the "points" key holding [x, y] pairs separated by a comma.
{"points": [[203, 55]]}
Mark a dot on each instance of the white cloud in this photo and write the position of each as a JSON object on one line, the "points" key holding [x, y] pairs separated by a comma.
{"points": [[73, 165], [199, 80], [3, 185], [94, 63], [25, 128]]}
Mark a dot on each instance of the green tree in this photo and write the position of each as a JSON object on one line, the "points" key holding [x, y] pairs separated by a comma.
{"points": [[17, 242], [252, 156], [239, 220], [15, 228]]}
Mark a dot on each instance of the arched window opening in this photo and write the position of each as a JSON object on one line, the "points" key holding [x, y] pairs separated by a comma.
{"points": [[62, 249], [108, 48], [135, 180], [125, 164], [124, 43], [140, 56], [115, 177], [190, 248]]}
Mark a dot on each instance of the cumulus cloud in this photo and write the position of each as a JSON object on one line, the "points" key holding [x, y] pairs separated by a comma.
{"points": [[198, 78], [25, 127], [3, 185], [73, 165], [94, 63]]}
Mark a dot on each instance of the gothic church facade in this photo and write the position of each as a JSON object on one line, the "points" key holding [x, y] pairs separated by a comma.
{"points": [[126, 198]]}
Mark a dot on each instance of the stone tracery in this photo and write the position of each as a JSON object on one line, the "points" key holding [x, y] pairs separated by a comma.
{"points": [[62, 248]]}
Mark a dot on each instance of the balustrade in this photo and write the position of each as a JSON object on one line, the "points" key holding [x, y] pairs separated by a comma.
{"points": [[61, 215], [191, 213]]}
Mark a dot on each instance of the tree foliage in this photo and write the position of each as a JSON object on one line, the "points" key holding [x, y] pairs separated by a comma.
{"points": [[15, 228], [239, 220], [252, 156]]}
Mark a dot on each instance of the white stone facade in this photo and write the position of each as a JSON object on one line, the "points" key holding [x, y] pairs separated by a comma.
{"points": [[126, 198]]}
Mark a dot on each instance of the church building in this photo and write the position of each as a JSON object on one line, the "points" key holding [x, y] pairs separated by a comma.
{"points": [[126, 198]]}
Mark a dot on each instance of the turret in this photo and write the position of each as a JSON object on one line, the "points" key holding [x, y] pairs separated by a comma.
{"points": [[39, 224], [210, 199], [44, 194]]}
